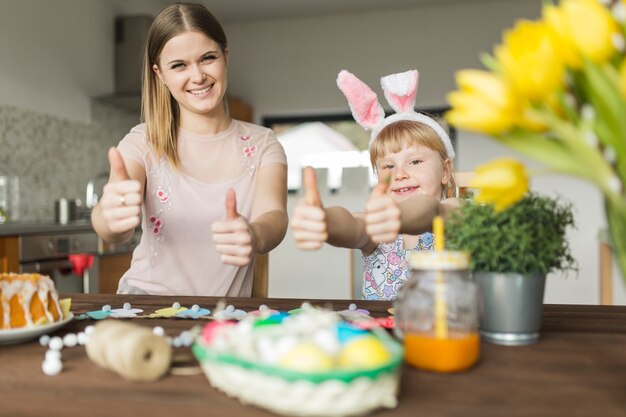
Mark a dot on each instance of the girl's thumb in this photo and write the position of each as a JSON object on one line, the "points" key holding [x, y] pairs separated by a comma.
{"points": [[382, 187], [311, 194]]}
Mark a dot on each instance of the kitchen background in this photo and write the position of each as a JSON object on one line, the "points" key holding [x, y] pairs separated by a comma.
{"points": [[59, 113]]}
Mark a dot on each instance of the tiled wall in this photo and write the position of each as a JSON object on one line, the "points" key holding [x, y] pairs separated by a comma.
{"points": [[54, 157]]}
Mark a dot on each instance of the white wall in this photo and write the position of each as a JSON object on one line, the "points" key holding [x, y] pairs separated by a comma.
{"points": [[290, 67], [55, 55]]}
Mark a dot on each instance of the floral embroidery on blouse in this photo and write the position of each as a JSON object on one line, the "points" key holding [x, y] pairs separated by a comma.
{"points": [[160, 195], [247, 152], [387, 269]]}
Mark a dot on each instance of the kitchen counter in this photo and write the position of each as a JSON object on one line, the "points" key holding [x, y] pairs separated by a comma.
{"points": [[49, 230], [38, 228]]}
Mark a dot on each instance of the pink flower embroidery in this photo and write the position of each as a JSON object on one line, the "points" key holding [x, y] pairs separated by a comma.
{"points": [[162, 196], [158, 223], [249, 151], [245, 138]]}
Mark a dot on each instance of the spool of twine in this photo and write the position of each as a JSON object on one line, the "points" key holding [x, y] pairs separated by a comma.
{"points": [[130, 350]]}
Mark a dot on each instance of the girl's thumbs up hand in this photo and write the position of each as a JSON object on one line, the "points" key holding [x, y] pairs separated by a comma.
{"points": [[382, 214], [121, 197], [309, 217], [233, 237], [311, 193]]}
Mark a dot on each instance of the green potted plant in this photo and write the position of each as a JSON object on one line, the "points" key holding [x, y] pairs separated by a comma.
{"points": [[515, 238]]}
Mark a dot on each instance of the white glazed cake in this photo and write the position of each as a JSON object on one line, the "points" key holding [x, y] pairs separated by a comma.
{"points": [[306, 364], [28, 300]]}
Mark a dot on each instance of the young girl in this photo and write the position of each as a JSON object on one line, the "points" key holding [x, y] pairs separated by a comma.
{"points": [[412, 156], [209, 191]]}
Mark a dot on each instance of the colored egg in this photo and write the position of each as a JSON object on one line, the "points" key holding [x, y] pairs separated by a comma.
{"points": [[272, 319], [364, 352], [209, 331], [346, 331], [306, 358]]}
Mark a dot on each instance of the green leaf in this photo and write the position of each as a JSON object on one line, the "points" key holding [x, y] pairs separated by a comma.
{"points": [[550, 152], [610, 108], [490, 62]]}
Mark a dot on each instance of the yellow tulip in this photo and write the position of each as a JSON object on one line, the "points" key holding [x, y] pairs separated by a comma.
{"points": [[484, 103], [529, 58], [587, 25], [554, 17], [501, 182]]}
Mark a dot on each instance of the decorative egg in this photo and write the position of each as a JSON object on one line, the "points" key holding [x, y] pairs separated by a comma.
{"points": [[272, 319], [346, 332], [209, 331], [306, 358], [364, 352]]}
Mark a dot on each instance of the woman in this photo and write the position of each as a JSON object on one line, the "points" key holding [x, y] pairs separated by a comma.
{"points": [[209, 191]]}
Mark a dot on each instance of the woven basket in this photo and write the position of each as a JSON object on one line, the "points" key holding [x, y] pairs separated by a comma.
{"points": [[336, 393]]}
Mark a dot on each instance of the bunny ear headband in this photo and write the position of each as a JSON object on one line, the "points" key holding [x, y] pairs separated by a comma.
{"points": [[400, 91]]}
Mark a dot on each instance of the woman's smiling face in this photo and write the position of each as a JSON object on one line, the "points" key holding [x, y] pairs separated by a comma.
{"points": [[414, 170], [194, 68]]}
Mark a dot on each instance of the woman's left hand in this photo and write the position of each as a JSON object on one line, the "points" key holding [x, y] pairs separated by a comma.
{"points": [[233, 237]]}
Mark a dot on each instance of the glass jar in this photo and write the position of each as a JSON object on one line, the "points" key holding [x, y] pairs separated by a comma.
{"points": [[9, 198], [437, 313]]}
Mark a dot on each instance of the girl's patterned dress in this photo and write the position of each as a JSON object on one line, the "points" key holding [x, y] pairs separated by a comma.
{"points": [[387, 268]]}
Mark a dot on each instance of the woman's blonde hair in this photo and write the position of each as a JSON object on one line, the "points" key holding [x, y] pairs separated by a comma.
{"points": [[398, 135], [159, 109]]}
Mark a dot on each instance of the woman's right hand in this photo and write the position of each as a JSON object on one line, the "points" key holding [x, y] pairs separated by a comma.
{"points": [[121, 197], [309, 217]]}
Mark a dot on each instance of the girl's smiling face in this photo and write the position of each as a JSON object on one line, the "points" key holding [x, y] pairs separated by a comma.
{"points": [[194, 68], [414, 170]]}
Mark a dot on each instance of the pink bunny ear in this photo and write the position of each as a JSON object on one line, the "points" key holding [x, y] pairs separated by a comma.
{"points": [[400, 90], [363, 102]]}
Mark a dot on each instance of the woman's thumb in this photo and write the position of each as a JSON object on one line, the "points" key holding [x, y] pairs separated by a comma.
{"points": [[231, 205], [118, 169]]}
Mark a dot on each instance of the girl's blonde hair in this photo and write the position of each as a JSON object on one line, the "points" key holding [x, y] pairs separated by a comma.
{"points": [[159, 109], [398, 135]]}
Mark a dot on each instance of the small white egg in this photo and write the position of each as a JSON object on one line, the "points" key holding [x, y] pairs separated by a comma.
{"points": [[70, 340], [52, 367], [56, 343]]}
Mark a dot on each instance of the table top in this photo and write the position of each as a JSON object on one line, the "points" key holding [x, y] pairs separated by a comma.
{"points": [[578, 368]]}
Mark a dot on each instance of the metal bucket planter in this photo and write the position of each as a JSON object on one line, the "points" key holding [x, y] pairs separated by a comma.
{"points": [[510, 306]]}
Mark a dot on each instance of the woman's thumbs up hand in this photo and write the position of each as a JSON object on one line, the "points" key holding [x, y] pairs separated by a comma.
{"points": [[309, 217], [233, 236], [382, 214], [121, 197]]}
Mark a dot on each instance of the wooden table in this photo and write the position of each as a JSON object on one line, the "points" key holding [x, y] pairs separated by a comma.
{"points": [[578, 368]]}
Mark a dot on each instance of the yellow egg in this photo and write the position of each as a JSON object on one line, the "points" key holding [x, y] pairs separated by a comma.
{"points": [[364, 353], [307, 358]]}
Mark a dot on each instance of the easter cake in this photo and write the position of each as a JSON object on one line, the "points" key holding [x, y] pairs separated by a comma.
{"points": [[28, 300], [310, 363]]}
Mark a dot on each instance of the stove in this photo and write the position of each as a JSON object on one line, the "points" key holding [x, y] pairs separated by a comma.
{"points": [[48, 254]]}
